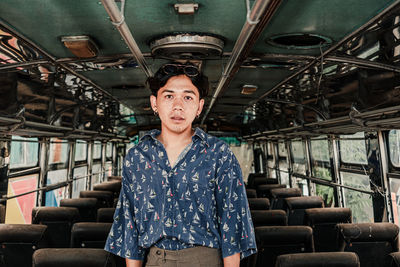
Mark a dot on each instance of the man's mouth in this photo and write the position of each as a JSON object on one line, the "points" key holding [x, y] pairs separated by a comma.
{"points": [[177, 118]]}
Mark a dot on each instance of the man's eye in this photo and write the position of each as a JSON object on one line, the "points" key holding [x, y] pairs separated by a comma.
{"points": [[168, 96], [188, 98]]}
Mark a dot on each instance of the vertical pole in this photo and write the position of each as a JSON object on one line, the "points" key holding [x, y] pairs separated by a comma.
{"points": [[71, 165], [43, 164], [308, 160], [289, 161], [103, 162], [114, 159], [385, 179], [90, 165], [339, 193]]}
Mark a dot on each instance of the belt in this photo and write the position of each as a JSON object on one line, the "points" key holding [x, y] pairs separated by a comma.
{"points": [[182, 254]]}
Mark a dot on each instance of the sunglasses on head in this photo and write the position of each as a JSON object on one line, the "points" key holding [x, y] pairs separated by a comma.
{"points": [[188, 70]]}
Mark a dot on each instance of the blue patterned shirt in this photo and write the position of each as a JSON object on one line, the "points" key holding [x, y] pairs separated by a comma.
{"points": [[199, 201]]}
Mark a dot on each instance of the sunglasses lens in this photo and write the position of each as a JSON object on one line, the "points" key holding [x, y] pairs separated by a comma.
{"points": [[170, 69], [191, 71]]}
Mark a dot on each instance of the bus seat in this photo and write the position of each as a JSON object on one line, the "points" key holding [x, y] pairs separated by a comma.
{"points": [[251, 193], [2, 213], [258, 203], [112, 186], [264, 190], [268, 217], [18, 242], [67, 257], [295, 207], [251, 178], [87, 207], [373, 242], [105, 215], [323, 222], [279, 194], [59, 221], [105, 199], [318, 259], [89, 234], [273, 241], [114, 178], [393, 260]]}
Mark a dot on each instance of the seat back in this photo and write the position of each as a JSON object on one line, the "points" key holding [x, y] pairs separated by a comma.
{"points": [[89, 234], [252, 177], [258, 203], [323, 222], [59, 221], [295, 207], [318, 259], [251, 193], [268, 217], [372, 242], [105, 215], [393, 260], [112, 186], [264, 190], [114, 178], [105, 199], [18, 242], [87, 207], [278, 196], [273, 241], [2, 213], [67, 257]]}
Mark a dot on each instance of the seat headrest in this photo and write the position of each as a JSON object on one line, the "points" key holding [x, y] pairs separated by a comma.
{"points": [[92, 230], [79, 202], [96, 194], [265, 187], [269, 217], [317, 259], [369, 231], [285, 192], [105, 214], [259, 203], [304, 202], [113, 186], [283, 234], [113, 178], [24, 233], [251, 193], [328, 215], [40, 214]]}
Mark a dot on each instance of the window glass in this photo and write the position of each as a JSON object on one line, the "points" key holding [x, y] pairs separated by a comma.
{"points": [[359, 203], [58, 151], [109, 150], [108, 169], [24, 154], [353, 151], [80, 184], [19, 210], [270, 149], [394, 147], [284, 175], [322, 172], [80, 150], [298, 157], [395, 196], [244, 154], [53, 197], [96, 178], [97, 150], [282, 149], [320, 150], [326, 192], [302, 184], [271, 166]]}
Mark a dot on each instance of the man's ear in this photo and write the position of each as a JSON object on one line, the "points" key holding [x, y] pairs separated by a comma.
{"points": [[200, 109], [153, 103]]}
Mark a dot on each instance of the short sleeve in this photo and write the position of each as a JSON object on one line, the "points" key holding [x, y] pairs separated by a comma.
{"points": [[123, 237], [236, 226]]}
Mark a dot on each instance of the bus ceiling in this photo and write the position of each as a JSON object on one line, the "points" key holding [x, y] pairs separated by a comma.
{"points": [[276, 68]]}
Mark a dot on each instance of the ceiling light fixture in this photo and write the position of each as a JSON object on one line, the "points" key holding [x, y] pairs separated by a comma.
{"points": [[81, 46]]}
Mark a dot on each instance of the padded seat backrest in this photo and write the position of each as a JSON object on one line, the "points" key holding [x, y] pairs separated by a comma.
{"points": [[87, 207], [264, 190], [318, 259], [273, 241], [251, 193], [295, 207], [105, 199], [18, 242], [89, 234], [268, 217], [105, 215], [373, 242], [393, 260], [258, 203], [2, 213], [112, 186], [323, 222], [252, 177], [67, 257], [114, 178], [279, 194], [59, 221]]}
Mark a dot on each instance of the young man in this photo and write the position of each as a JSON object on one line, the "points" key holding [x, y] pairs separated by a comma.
{"points": [[182, 199]]}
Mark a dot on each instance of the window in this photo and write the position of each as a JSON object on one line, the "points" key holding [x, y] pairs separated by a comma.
{"points": [[326, 192], [284, 175], [79, 184], [298, 157], [80, 150], [394, 147], [302, 184], [282, 152], [24, 152], [96, 178], [395, 196], [97, 150], [353, 151], [58, 151], [109, 148], [53, 197], [320, 150]]}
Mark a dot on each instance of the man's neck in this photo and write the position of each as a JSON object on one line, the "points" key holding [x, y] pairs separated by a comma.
{"points": [[172, 139]]}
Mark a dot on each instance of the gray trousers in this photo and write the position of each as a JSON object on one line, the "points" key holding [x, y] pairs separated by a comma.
{"points": [[189, 257]]}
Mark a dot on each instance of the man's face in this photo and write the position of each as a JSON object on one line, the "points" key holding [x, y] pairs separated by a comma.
{"points": [[177, 103]]}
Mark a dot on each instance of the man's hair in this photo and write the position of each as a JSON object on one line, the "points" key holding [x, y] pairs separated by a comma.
{"points": [[160, 78]]}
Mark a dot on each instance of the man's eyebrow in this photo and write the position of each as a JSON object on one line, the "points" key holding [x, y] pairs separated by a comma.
{"points": [[172, 91]]}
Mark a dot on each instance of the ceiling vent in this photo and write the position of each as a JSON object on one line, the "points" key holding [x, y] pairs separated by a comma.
{"points": [[187, 46]]}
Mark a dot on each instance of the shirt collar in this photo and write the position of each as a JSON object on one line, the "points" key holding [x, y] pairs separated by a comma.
{"points": [[197, 133]]}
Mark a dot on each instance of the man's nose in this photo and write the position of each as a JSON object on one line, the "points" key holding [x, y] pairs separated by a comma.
{"points": [[178, 103]]}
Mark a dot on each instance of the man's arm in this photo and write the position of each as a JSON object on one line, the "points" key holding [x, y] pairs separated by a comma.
{"points": [[135, 263], [232, 261]]}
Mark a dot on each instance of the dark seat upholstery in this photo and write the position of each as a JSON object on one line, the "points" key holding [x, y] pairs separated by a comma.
{"points": [[59, 221], [251, 193], [273, 241], [18, 242], [89, 234], [105, 199], [114, 178], [112, 186], [2, 213], [393, 260], [296, 206], [268, 217], [278, 196], [264, 190], [75, 257], [323, 222], [372, 242], [87, 207], [105, 215], [258, 203], [319, 259], [252, 177]]}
